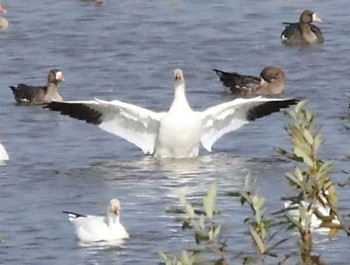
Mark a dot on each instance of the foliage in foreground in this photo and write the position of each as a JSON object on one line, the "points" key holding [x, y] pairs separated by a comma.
{"points": [[315, 201]]}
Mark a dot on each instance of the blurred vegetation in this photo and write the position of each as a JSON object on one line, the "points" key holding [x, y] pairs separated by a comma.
{"points": [[313, 207]]}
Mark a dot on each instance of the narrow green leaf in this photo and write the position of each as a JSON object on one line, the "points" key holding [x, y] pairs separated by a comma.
{"points": [[260, 202], [162, 256], [298, 174], [307, 160], [318, 141], [217, 231], [293, 221], [280, 151], [209, 201], [189, 210], [201, 222], [308, 136], [326, 167], [245, 197], [332, 196], [294, 179], [211, 235], [286, 154], [300, 106], [257, 239], [185, 258]]}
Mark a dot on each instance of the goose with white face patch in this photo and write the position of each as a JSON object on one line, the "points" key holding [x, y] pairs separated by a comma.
{"points": [[303, 33], [91, 228], [4, 24], [34, 95], [176, 133]]}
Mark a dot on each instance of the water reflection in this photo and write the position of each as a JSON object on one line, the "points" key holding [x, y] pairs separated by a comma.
{"points": [[190, 167], [116, 245], [172, 177]]}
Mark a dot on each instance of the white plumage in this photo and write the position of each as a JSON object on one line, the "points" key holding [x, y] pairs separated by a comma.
{"points": [[315, 222], [90, 228], [176, 133], [3, 154]]}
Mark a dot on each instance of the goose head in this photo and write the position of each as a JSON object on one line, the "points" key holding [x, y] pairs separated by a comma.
{"points": [[55, 76], [272, 74], [309, 16], [113, 208], [179, 80]]}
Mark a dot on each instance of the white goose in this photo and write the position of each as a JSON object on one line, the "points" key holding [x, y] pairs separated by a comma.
{"points": [[3, 154], [315, 222], [90, 228], [176, 133]]}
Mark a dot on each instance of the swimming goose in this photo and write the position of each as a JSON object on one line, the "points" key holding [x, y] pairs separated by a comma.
{"points": [[176, 133], [270, 82], [3, 154], [315, 222], [91, 228], [4, 24], [303, 33], [33, 95]]}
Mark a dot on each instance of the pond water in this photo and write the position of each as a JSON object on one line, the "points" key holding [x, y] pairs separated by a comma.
{"points": [[127, 50]]}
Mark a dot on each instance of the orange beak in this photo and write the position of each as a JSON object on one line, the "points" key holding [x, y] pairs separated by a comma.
{"points": [[315, 18], [2, 9]]}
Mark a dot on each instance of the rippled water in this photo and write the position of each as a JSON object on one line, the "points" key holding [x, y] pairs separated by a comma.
{"points": [[128, 50]]}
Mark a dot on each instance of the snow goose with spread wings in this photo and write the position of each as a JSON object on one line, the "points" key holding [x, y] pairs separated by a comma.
{"points": [[176, 133]]}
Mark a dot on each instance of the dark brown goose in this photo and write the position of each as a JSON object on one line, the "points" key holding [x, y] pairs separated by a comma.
{"points": [[270, 82], [34, 95], [303, 32]]}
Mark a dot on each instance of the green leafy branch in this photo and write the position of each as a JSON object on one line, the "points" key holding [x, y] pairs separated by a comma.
{"points": [[312, 182], [206, 234]]}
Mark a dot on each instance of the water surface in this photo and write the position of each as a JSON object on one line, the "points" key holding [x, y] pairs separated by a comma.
{"points": [[128, 50]]}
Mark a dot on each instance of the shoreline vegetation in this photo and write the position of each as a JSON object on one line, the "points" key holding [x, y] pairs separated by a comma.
{"points": [[311, 209]]}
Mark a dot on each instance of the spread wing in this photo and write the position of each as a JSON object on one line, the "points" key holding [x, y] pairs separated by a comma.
{"points": [[229, 116], [137, 125]]}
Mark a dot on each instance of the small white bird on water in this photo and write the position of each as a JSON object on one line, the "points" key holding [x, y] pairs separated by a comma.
{"points": [[3, 154], [315, 222], [90, 228], [176, 133]]}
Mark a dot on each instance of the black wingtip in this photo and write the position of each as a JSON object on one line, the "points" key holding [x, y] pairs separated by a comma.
{"points": [[218, 72], [76, 215], [13, 88], [269, 107], [76, 110]]}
